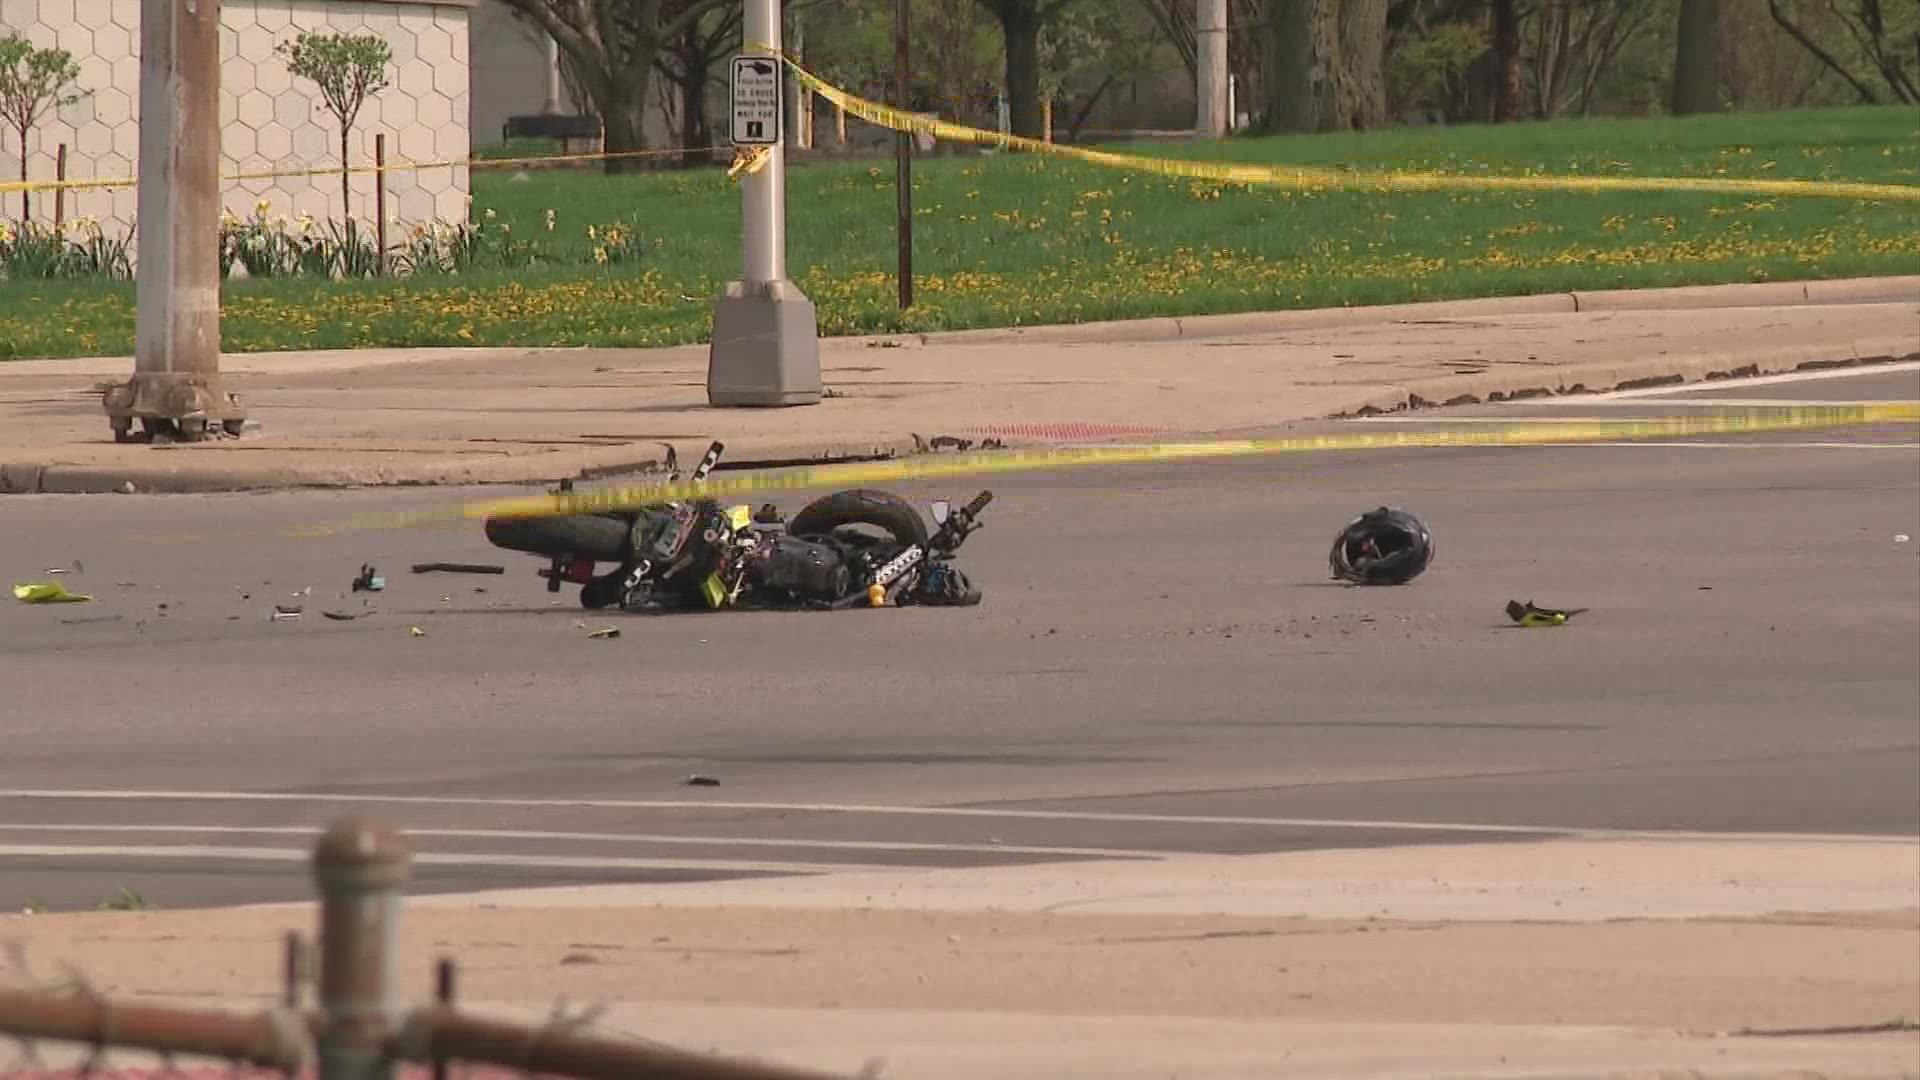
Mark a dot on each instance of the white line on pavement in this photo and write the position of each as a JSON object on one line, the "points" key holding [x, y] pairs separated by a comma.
{"points": [[1819, 375], [615, 838], [1731, 403], [913, 811], [430, 858]]}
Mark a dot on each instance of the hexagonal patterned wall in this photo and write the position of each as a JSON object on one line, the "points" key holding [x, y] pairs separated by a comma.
{"points": [[271, 121]]}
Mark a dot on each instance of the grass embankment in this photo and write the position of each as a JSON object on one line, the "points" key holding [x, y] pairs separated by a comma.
{"points": [[1018, 240]]}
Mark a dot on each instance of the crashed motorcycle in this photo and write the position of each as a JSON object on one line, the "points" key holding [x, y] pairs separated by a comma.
{"points": [[852, 548]]}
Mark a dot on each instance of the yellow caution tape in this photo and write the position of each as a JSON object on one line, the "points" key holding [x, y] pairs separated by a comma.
{"points": [[748, 160], [1304, 177], [1752, 421], [1294, 176]]}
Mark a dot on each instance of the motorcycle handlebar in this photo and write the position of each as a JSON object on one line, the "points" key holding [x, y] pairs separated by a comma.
{"points": [[979, 503]]}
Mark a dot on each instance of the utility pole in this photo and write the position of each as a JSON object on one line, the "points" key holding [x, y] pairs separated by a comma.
{"points": [[176, 392], [903, 150], [765, 349], [1210, 79]]}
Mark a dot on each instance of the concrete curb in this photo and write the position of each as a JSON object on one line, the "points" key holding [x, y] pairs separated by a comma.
{"points": [[1883, 290]]}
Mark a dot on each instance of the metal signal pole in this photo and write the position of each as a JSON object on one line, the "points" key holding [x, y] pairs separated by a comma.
{"points": [[903, 151]]}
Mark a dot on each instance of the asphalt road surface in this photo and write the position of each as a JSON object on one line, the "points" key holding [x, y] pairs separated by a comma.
{"points": [[1161, 665]]}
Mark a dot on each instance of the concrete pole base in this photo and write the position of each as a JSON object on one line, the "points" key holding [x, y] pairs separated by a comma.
{"points": [[766, 348], [187, 406]]}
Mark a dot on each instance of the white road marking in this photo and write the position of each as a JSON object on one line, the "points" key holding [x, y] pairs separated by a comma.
{"points": [[614, 838], [1730, 403], [1758, 380], [429, 858], [1717, 402], [921, 811]]}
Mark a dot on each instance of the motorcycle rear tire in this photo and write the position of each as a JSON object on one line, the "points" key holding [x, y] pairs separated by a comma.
{"points": [[589, 536], [861, 506]]}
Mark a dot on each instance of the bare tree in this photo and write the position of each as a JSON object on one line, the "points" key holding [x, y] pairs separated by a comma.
{"points": [[687, 62], [1866, 22], [1573, 42], [613, 46], [1021, 22]]}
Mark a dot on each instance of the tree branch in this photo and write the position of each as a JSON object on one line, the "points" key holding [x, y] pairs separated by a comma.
{"points": [[564, 34], [1806, 41]]}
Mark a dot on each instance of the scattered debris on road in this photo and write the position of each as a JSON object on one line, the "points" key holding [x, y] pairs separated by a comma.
{"points": [[283, 611], [457, 568], [368, 581], [416, 631], [76, 568], [84, 619], [606, 632], [1387, 546], [1529, 615], [345, 616], [47, 592], [696, 780], [1901, 538]]}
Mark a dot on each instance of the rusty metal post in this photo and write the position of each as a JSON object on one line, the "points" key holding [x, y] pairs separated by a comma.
{"points": [[443, 994], [360, 866], [60, 193], [380, 203], [176, 389]]}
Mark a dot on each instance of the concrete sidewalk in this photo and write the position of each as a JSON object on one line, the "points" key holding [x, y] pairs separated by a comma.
{"points": [[1711, 956], [450, 416]]}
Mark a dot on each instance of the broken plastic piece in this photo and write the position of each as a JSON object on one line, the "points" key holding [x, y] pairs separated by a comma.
{"points": [[344, 616], [283, 612], [458, 568], [47, 592], [696, 780], [416, 631], [368, 581], [606, 632], [1528, 615]]}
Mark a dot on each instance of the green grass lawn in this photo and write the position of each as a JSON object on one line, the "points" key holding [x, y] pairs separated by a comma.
{"points": [[1018, 240]]}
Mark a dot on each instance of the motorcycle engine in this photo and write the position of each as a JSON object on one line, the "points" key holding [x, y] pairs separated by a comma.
{"points": [[802, 568]]}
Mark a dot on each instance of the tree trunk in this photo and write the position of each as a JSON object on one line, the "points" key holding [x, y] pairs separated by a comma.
{"points": [[1506, 70], [1324, 65], [1302, 48], [623, 113], [1021, 30], [1696, 76], [1359, 85], [26, 196], [696, 134], [346, 179]]}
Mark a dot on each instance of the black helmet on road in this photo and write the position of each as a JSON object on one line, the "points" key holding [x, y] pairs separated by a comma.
{"points": [[1388, 546]]}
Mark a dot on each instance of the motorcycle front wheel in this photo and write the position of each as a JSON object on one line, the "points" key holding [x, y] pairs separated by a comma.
{"points": [[861, 506]]}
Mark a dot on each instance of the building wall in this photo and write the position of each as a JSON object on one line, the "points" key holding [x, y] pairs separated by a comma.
{"points": [[270, 120], [510, 57]]}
